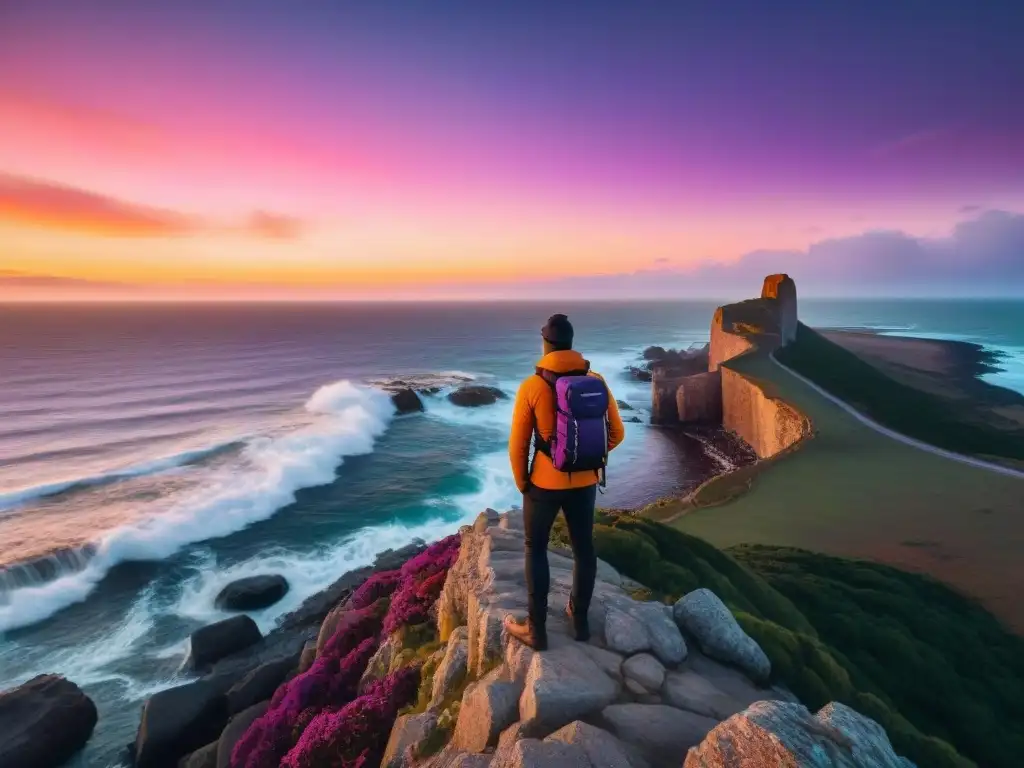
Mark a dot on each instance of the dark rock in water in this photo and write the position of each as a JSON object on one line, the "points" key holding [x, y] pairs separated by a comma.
{"points": [[216, 641], [634, 420], [407, 401], [252, 593], [623, 405], [201, 758], [234, 730], [475, 395], [640, 374], [260, 684], [655, 353], [180, 720], [44, 722], [429, 390]]}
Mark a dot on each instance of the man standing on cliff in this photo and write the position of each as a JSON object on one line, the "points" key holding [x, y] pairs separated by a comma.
{"points": [[569, 414]]}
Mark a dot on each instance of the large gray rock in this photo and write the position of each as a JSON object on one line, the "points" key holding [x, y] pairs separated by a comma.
{"points": [[206, 757], [260, 684], [719, 635], [234, 730], [666, 641], [406, 401], [179, 720], [44, 722], [661, 733], [379, 664], [215, 641], [688, 690], [562, 685], [624, 634], [452, 669], [489, 706], [645, 670], [602, 749], [252, 593], [781, 733], [531, 753], [407, 735]]}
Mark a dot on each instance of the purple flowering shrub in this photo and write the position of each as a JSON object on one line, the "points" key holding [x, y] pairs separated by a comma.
{"points": [[374, 588], [356, 734], [316, 718], [423, 579]]}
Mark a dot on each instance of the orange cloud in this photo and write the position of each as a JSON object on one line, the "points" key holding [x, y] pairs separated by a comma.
{"points": [[274, 226], [50, 205], [46, 204]]}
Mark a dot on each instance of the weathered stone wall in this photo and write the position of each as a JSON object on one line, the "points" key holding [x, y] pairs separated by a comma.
{"points": [[767, 424], [699, 397], [724, 343], [663, 396]]}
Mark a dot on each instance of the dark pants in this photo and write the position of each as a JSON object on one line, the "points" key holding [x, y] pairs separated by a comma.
{"points": [[540, 507]]}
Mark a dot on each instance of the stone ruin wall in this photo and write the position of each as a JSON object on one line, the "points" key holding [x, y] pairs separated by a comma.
{"points": [[767, 424]]}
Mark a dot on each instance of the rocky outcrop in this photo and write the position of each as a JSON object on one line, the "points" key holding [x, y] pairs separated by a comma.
{"points": [[699, 398], [475, 395], [179, 720], [252, 593], [215, 641], [767, 424], [705, 617], [233, 731], [407, 401], [779, 733], [636, 677], [260, 684], [43, 722]]}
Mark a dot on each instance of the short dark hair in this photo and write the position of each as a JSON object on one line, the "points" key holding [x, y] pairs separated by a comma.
{"points": [[558, 332]]}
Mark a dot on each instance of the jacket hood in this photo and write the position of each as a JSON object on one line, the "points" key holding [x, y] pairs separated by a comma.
{"points": [[563, 360]]}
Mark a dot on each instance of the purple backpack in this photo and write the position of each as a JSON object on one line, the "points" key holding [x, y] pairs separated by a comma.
{"points": [[580, 439]]}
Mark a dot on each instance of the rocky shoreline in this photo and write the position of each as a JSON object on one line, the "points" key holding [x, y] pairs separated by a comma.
{"points": [[405, 664]]}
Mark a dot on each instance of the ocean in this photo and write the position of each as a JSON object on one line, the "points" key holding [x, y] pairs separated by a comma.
{"points": [[151, 454]]}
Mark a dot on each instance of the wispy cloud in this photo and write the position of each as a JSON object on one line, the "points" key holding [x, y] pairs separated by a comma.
{"points": [[915, 140], [48, 204]]}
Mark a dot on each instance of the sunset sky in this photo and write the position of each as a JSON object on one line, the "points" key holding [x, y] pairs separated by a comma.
{"points": [[330, 149]]}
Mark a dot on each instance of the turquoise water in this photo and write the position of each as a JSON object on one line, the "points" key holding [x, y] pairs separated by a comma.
{"points": [[151, 454]]}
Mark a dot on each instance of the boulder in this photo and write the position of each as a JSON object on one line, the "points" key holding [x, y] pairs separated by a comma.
{"points": [[602, 749], [688, 690], [328, 626], [645, 670], [531, 753], [235, 729], [662, 734], [704, 616], [308, 656], [452, 669], [634, 420], [635, 627], [655, 353], [43, 722], [781, 733], [407, 401], [475, 395], [260, 684], [215, 641], [252, 593], [380, 663], [640, 373], [205, 757], [179, 720], [623, 405], [408, 733], [562, 685], [489, 706], [624, 634]]}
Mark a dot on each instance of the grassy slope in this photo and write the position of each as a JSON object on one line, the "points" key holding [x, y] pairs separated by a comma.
{"points": [[852, 492], [915, 413], [933, 668]]}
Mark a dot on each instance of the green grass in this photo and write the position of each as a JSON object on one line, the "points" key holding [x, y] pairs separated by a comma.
{"points": [[927, 417], [852, 492], [938, 672]]}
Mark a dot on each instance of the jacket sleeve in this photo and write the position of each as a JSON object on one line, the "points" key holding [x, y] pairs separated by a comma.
{"points": [[521, 435], [616, 429]]}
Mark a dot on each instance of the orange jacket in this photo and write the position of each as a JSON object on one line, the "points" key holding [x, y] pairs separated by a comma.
{"points": [[535, 407]]}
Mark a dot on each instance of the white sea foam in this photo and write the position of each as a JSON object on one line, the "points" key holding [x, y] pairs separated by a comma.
{"points": [[341, 420]]}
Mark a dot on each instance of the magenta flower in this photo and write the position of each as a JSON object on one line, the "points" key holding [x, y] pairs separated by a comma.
{"points": [[374, 588]]}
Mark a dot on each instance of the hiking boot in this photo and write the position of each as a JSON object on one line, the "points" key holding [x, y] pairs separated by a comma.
{"points": [[526, 632], [580, 626]]}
